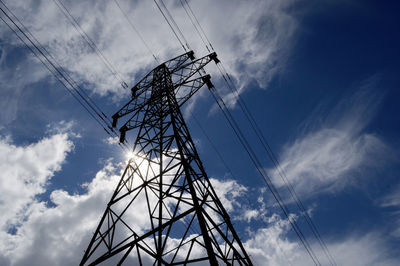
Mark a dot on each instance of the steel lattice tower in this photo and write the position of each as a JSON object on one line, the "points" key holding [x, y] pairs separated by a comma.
{"points": [[164, 210]]}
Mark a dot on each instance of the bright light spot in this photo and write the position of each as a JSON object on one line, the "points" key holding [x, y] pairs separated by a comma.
{"points": [[130, 155]]}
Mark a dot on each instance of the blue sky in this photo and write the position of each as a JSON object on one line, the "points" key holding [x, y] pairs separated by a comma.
{"points": [[320, 77]]}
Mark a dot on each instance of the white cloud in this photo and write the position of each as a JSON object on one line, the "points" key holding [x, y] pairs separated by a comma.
{"points": [[250, 214], [272, 246], [63, 127], [65, 228], [393, 199], [252, 38], [229, 192], [323, 160], [330, 156], [25, 170], [269, 246], [111, 140]]}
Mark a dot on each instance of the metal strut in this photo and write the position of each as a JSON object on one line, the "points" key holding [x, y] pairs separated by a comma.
{"points": [[164, 210]]}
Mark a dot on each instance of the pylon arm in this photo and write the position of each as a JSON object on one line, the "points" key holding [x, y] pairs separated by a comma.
{"points": [[183, 93], [186, 71], [181, 70], [172, 64]]}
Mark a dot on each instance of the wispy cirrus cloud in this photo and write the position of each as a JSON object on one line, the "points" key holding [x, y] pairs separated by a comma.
{"points": [[15, 76], [392, 201], [333, 152]]}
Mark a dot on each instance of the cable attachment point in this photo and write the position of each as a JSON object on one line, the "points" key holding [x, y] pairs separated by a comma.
{"points": [[191, 55], [207, 80], [124, 85], [214, 57], [134, 90]]}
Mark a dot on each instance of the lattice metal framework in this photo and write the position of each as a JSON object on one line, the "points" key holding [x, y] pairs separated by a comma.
{"points": [[164, 210]]}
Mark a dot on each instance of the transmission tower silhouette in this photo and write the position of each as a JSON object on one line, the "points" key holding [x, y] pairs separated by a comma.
{"points": [[164, 210]]}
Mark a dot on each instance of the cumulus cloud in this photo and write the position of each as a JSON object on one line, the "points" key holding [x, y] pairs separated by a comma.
{"points": [[25, 170], [229, 192], [329, 156], [65, 229], [252, 38], [66, 225], [111, 140]]}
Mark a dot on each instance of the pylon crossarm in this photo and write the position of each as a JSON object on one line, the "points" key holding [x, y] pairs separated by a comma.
{"points": [[172, 64], [180, 68], [143, 86], [183, 93], [187, 70], [178, 61]]}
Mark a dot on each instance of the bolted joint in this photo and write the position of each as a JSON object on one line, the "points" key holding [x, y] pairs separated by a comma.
{"points": [[134, 90], [207, 80], [214, 57], [191, 55]]}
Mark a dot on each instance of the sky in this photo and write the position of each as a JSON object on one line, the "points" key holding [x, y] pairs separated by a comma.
{"points": [[320, 77]]}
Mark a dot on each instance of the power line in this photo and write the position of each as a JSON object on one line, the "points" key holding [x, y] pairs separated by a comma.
{"points": [[194, 25], [55, 69], [201, 28], [90, 42], [260, 136], [253, 157], [172, 28], [221, 158], [255, 127], [247, 146], [282, 174], [174, 22], [86, 98], [136, 31]]}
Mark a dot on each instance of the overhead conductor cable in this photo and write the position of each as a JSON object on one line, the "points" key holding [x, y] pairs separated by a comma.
{"points": [[261, 137], [55, 69]]}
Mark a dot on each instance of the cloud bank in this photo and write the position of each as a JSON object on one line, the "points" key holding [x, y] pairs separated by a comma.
{"points": [[252, 38], [58, 233]]}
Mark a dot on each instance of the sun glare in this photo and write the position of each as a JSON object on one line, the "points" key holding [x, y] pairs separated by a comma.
{"points": [[129, 155]]}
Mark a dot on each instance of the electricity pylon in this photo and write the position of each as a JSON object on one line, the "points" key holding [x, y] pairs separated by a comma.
{"points": [[164, 210]]}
